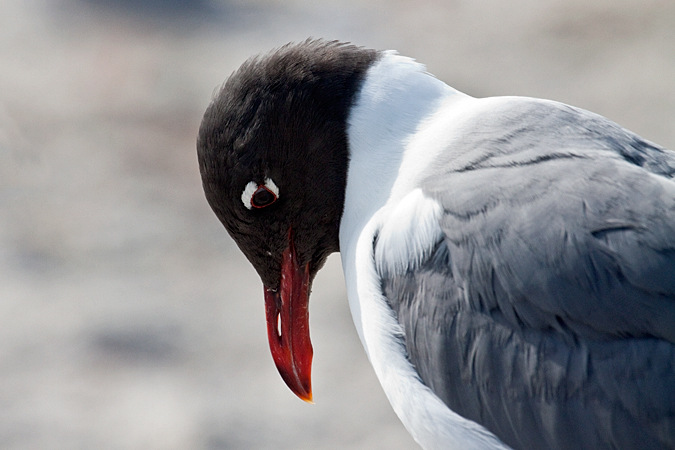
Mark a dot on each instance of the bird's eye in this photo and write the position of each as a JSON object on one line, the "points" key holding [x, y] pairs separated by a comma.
{"points": [[259, 195], [262, 197]]}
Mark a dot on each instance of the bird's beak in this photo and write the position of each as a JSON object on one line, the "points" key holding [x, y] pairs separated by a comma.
{"points": [[288, 325]]}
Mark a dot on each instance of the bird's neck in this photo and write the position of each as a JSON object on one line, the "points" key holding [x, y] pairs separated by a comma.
{"points": [[397, 97]]}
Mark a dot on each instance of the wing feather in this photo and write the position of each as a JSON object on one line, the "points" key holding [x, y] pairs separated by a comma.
{"points": [[546, 311]]}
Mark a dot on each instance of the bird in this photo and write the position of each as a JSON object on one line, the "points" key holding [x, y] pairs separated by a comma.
{"points": [[509, 261]]}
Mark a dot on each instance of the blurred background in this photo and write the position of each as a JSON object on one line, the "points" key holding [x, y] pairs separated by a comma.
{"points": [[128, 318]]}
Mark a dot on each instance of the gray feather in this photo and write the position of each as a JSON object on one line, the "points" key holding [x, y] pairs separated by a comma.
{"points": [[547, 311]]}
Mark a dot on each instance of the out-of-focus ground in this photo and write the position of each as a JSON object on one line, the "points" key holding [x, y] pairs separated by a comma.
{"points": [[128, 318]]}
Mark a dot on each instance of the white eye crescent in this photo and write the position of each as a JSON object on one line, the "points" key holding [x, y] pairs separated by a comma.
{"points": [[259, 195], [269, 184], [246, 196]]}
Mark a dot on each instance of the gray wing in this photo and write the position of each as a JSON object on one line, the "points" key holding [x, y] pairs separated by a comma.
{"points": [[547, 312]]}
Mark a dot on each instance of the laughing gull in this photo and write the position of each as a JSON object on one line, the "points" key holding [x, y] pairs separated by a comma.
{"points": [[510, 261]]}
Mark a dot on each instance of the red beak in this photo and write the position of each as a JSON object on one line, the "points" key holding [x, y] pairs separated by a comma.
{"points": [[288, 325]]}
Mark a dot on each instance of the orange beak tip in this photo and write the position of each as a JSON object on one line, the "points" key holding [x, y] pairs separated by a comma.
{"points": [[307, 399]]}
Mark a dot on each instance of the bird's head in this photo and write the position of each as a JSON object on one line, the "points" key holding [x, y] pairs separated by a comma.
{"points": [[273, 156]]}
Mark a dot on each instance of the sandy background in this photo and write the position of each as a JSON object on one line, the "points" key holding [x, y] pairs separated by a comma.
{"points": [[128, 319]]}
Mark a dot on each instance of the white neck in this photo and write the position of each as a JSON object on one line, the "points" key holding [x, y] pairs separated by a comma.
{"points": [[397, 99]]}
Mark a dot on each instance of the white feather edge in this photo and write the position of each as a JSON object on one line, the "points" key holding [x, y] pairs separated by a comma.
{"points": [[409, 235], [431, 423]]}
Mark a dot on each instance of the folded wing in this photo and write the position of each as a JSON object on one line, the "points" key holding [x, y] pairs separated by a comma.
{"points": [[546, 309]]}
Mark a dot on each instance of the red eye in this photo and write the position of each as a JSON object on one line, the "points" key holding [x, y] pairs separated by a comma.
{"points": [[262, 197]]}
